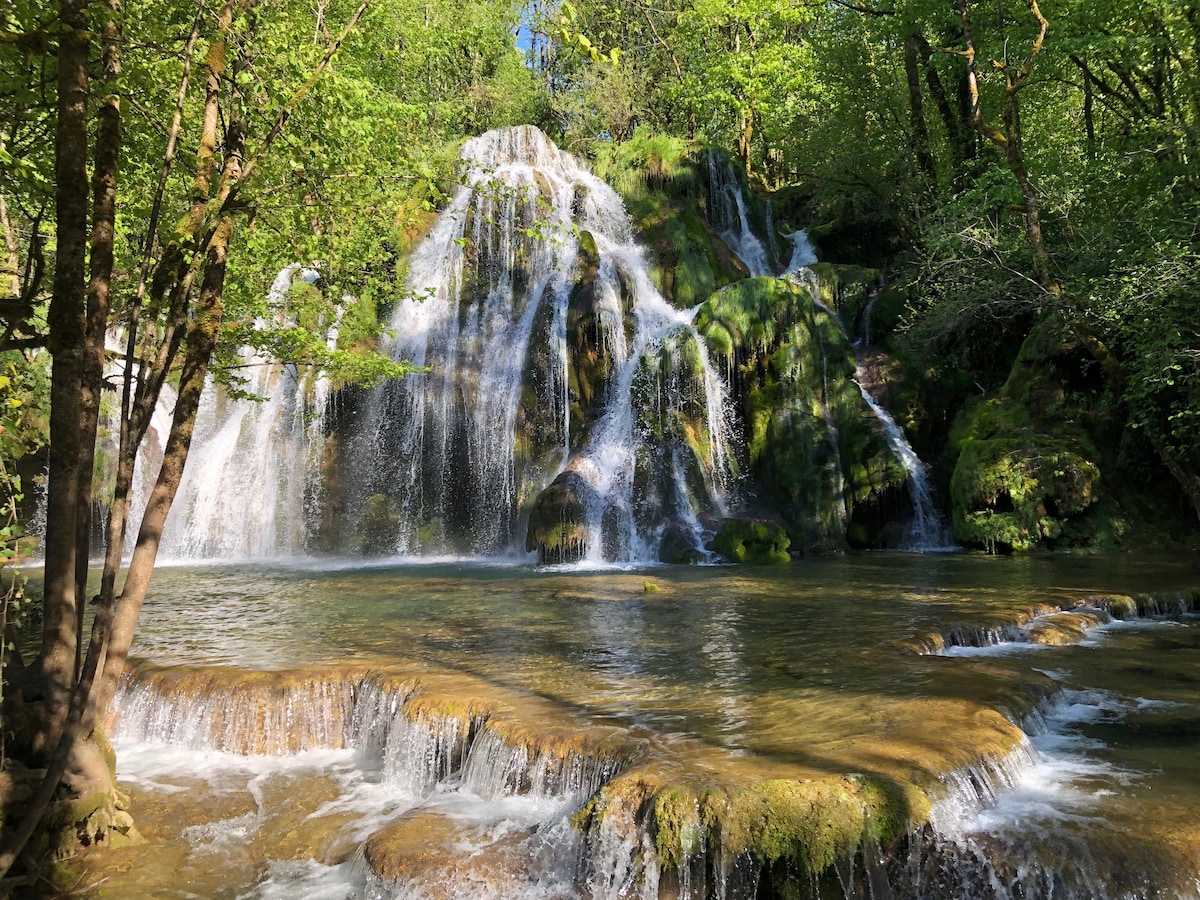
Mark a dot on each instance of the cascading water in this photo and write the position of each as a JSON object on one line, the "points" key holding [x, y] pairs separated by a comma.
{"points": [[927, 530], [451, 459], [252, 462], [730, 218]]}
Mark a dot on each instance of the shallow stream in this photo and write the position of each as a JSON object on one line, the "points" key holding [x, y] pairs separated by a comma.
{"points": [[716, 674]]}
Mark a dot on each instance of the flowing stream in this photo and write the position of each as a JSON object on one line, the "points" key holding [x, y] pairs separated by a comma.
{"points": [[431, 730]]}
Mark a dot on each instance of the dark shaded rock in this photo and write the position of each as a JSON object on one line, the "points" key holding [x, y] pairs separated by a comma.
{"points": [[677, 545], [558, 522]]}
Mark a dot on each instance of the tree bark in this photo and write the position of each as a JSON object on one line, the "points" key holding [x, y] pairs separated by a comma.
{"points": [[916, 110], [1009, 138], [104, 216], [201, 343], [136, 412], [68, 335]]}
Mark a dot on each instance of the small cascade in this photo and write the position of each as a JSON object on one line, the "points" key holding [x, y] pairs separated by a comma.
{"points": [[449, 461], [1031, 826], [563, 770], [447, 770], [208, 708], [731, 220], [1045, 625], [927, 530]]}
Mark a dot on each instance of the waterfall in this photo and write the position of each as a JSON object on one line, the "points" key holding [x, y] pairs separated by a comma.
{"points": [[450, 459], [729, 217], [927, 531], [253, 459]]}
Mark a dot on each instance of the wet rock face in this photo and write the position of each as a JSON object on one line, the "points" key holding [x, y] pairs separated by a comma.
{"points": [[677, 545], [812, 443], [558, 528]]}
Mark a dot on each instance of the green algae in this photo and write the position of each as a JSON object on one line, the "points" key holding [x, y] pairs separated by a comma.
{"points": [[810, 824], [748, 541]]}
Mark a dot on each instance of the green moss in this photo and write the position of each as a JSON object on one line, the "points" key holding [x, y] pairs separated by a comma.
{"points": [[748, 541], [678, 831], [1028, 472], [812, 444], [808, 824], [558, 521]]}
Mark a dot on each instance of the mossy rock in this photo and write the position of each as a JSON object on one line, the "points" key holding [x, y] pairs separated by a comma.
{"points": [[558, 521], [690, 261], [1029, 473], [750, 541], [677, 546], [813, 445], [809, 825]]}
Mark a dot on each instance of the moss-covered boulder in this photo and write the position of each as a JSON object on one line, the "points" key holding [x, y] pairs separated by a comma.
{"points": [[790, 833], [667, 202], [750, 541], [558, 528], [1029, 469], [813, 446], [677, 544]]}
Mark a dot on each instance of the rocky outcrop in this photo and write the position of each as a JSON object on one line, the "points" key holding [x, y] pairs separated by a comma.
{"points": [[1029, 469], [811, 442], [558, 529]]}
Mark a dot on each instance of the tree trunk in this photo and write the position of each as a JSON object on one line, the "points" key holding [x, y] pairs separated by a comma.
{"points": [[104, 214], [68, 335], [201, 343], [958, 133], [916, 110], [1009, 139]]}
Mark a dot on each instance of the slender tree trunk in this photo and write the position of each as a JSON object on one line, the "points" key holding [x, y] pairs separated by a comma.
{"points": [[958, 133], [916, 110], [104, 215], [11, 270], [68, 332], [135, 416], [1009, 138], [201, 343], [1089, 114]]}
